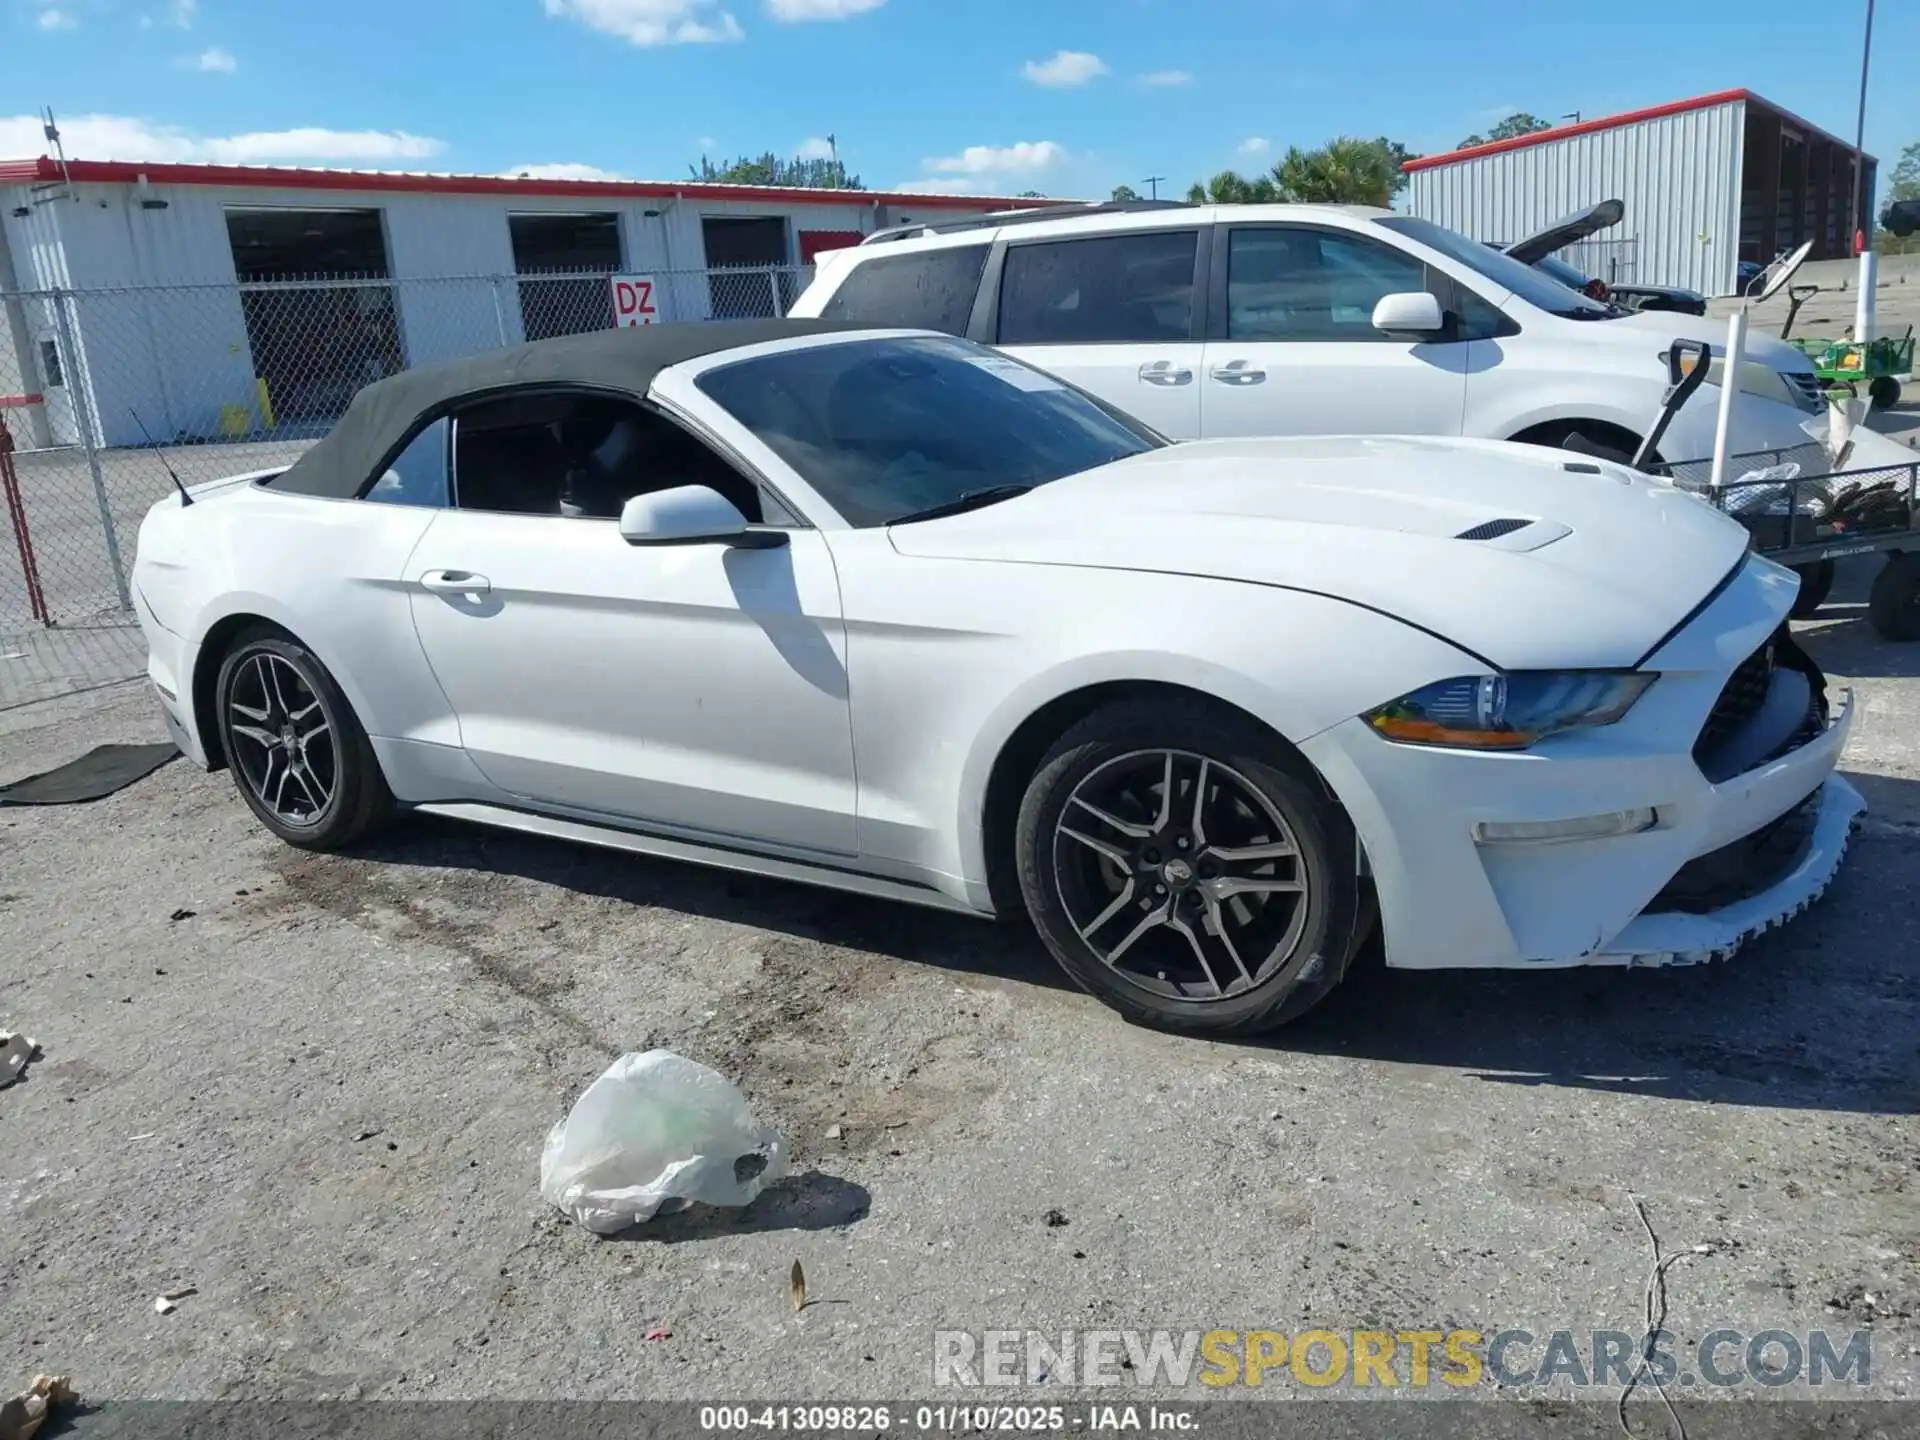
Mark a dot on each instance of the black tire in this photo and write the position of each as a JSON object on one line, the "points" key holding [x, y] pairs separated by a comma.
{"points": [[1884, 392], [1894, 603], [311, 793], [1299, 943], [1816, 583]]}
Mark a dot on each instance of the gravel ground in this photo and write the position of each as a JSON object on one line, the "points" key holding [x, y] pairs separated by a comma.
{"points": [[314, 1089]]}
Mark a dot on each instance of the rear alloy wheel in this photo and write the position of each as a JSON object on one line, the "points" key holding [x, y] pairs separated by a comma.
{"points": [[1179, 868], [298, 754]]}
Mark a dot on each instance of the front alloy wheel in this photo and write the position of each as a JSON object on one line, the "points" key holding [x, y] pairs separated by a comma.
{"points": [[1181, 865]]}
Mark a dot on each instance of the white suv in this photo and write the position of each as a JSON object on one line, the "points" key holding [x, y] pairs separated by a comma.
{"points": [[1212, 321]]}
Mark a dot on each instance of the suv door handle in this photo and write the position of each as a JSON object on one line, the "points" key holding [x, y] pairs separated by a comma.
{"points": [[1238, 372], [455, 582], [1165, 372]]}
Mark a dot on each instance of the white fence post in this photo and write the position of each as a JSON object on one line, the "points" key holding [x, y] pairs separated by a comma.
{"points": [[80, 387]]}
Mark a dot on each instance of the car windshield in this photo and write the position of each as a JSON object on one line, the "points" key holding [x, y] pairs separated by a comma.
{"points": [[887, 429], [1563, 272], [1537, 289]]}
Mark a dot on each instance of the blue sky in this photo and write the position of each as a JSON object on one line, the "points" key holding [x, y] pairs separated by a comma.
{"points": [[1066, 96]]}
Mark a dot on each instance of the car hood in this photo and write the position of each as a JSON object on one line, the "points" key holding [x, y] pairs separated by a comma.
{"points": [[1501, 549], [1668, 325]]}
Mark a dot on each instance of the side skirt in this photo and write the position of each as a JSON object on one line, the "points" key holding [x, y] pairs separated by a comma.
{"points": [[640, 843]]}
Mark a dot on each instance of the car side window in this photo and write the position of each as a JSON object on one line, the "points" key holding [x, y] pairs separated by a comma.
{"points": [[581, 456], [1104, 289], [924, 290], [1294, 283], [418, 474]]}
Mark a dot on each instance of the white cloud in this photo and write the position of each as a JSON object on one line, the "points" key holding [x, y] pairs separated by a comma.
{"points": [[652, 22], [560, 170], [1023, 157], [1159, 78], [815, 147], [1254, 145], [215, 62], [183, 13], [988, 169], [1065, 70], [51, 20], [123, 137], [797, 10], [707, 142]]}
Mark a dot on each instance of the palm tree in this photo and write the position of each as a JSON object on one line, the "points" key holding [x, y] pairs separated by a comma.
{"points": [[1344, 171], [1228, 188]]}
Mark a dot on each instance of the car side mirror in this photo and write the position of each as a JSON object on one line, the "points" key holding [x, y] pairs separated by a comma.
{"points": [[1412, 312], [692, 515]]}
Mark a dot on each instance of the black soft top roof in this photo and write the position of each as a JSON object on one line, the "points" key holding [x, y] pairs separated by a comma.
{"points": [[383, 413]]}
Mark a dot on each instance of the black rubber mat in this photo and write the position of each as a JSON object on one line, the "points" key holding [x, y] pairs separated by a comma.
{"points": [[94, 776]]}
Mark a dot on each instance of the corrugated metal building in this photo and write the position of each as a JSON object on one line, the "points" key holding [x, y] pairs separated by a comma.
{"points": [[188, 290], [1707, 183]]}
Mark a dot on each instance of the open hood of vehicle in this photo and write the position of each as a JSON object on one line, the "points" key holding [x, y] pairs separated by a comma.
{"points": [[1565, 231], [1529, 557]]}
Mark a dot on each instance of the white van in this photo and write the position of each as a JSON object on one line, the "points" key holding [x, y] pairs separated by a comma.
{"points": [[1227, 320]]}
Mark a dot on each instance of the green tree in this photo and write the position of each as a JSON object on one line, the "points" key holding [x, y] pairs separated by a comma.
{"points": [[1125, 193], [1344, 171], [770, 169], [1229, 188], [1517, 124]]}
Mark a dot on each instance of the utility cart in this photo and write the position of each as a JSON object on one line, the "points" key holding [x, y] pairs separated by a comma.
{"points": [[1800, 511], [1879, 366], [1808, 520]]}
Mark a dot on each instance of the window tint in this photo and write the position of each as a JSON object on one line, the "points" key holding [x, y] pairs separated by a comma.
{"points": [[1102, 289], [1285, 283], [927, 290], [1475, 319], [884, 428], [418, 474], [582, 456]]}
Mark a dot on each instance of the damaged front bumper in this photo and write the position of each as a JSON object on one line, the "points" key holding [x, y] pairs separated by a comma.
{"points": [[1734, 750], [1677, 937]]}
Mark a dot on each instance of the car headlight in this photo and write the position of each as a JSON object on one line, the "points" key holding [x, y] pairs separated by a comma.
{"points": [[1508, 712], [1760, 381]]}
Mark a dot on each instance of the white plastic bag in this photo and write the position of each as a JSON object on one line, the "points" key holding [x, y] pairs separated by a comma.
{"points": [[656, 1128]]}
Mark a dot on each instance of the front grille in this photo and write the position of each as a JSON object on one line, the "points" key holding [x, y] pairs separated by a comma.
{"points": [[1745, 692]]}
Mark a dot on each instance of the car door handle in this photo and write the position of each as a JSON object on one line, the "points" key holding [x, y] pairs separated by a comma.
{"points": [[1165, 372], [455, 582], [1238, 372]]}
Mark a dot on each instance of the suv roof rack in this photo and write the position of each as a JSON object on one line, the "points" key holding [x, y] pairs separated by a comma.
{"points": [[1018, 217]]}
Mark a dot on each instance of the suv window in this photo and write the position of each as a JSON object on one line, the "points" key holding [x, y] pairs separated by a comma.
{"points": [[1291, 283], [927, 290], [1104, 289]]}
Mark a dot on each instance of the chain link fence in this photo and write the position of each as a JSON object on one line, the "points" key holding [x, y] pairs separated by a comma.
{"points": [[101, 390]]}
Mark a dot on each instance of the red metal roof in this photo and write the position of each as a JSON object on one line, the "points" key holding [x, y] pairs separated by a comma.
{"points": [[289, 177], [1612, 122]]}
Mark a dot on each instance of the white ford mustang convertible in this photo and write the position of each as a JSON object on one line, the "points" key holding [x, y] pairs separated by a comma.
{"points": [[892, 612]]}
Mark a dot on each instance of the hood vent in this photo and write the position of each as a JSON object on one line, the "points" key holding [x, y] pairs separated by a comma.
{"points": [[1493, 529]]}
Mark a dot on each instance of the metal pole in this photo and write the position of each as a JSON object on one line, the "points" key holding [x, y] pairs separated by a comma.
{"points": [[1860, 228], [773, 288], [80, 386], [499, 311], [1729, 387]]}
